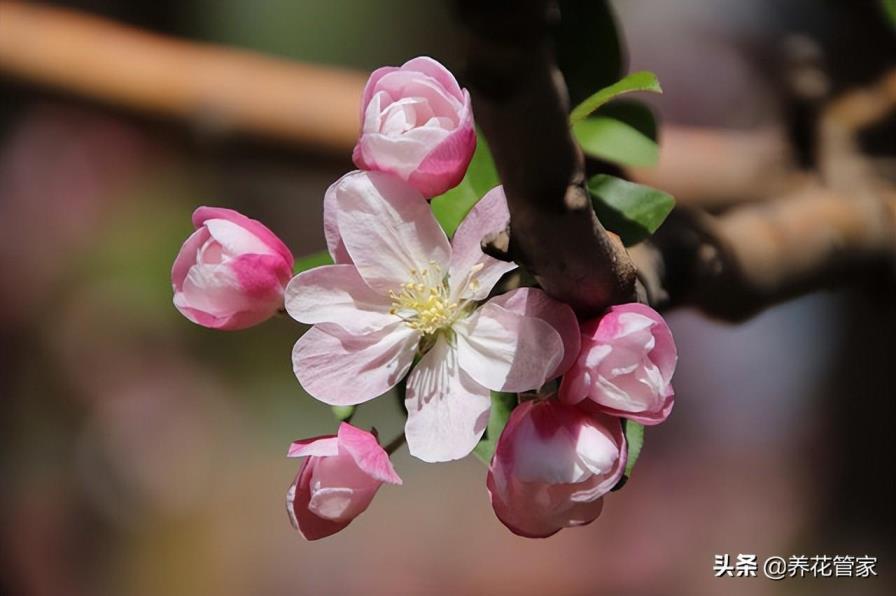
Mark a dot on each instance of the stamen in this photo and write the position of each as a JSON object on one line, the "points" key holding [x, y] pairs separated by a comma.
{"points": [[424, 302]]}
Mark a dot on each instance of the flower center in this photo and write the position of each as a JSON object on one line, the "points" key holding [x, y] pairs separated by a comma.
{"points": [[424, 301]]}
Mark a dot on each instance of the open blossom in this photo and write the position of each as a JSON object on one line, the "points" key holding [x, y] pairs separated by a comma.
{"points": [[398, 290], [231, 272], [417, 123], [337, 481], [625, 365], [552, 466]]}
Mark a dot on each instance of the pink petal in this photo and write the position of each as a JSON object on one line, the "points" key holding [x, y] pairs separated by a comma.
{"points": [[533, 302], [505, 351], [444, 166], [447, 410], [298, 499], [262, 278], [365, 450], [258, 229], [233, 322], [388, 229], [489, 215], [337, 294], [343, 369], [370, 87], [216, 289], [539, 510], [186, 258], [401, 155], [335, 246], [326, 445], [648, 418], [664, 353], [434, 69]]}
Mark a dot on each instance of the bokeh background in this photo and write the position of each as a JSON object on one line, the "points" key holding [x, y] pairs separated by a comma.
{"points": [[144, 455]]}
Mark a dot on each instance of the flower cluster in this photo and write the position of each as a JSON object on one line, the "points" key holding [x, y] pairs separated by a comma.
{"points": [[402, 304]]}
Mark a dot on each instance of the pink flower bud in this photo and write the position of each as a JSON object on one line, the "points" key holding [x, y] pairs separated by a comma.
{"points": [[417, 123], [337, 481], [625, 365], [552, 466], [231, 272]]}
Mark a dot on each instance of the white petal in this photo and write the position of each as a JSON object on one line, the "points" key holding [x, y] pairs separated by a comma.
{"points": [[447, 410], [342, 369], [489, 215], [388, 229], [505, 351], [235, 239], [337, 294]]}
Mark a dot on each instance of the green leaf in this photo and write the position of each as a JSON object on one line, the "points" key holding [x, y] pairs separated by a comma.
{"points": [[623, 133], [589, 52], [451, 207], [634, 437], [313, 260], [637, 81], [631, 210], [502, 405], [343, 413]]}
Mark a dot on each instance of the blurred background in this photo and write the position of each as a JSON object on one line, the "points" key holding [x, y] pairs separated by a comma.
{"points": [[142, 454]]}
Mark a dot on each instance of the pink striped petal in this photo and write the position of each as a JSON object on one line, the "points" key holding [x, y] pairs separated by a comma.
{"points": [[367, 453], [337, 294], [388, 229], [534, 302], [256, 228], [447, 410], [505, 351], [343, 369], [489, 215]]}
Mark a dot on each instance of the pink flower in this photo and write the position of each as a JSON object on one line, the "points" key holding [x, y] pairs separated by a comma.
{"points": [[625, 365], [552, 466], [231, 272], [417, 123], [337, 481], [400, 290]]}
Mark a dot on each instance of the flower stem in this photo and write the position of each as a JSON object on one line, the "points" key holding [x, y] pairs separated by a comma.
{"points": [[395, 444]]}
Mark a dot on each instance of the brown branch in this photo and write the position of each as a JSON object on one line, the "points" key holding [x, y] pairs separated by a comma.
{"points": [[802, 236], [520, 102], [753, 256], [213, 87], [715, 168]]}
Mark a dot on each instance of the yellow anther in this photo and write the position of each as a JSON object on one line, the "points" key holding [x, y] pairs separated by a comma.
{"points": [[424, 301]]}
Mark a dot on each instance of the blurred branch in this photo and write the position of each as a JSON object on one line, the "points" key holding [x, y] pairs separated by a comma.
{"points": [[837, 225], [752, 256], [210, 87], [521, 104], [716, 168], [811, 229]]}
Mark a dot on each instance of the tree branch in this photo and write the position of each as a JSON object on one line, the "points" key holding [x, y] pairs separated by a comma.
{"points": [[211, 87], [521, 105], [734, 265], [809, 230]]}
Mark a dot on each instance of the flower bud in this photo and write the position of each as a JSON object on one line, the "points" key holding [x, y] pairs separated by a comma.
{"points": [[417, 123], [231, 272], [625, 365], [337, 481], [552, 466]]}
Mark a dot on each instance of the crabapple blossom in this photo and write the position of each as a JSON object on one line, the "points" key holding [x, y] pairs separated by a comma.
{"points": [[417, 123], [552, 466], [231, 272], [625, 365], [337, 481], [400, 290]]}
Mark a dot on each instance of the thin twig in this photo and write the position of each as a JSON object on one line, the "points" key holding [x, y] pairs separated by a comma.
{"points": [[211, 87]]}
